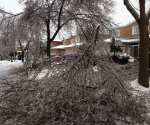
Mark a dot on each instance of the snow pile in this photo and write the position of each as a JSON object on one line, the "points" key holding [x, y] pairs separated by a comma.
{"points": [[6, 66], [138, 87]]}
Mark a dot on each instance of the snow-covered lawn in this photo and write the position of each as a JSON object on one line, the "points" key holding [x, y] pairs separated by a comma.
{"points": [[6, 66], [138, 87]]}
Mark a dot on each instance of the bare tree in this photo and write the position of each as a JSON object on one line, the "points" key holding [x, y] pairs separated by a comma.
{"points": [[8, 30], [16, 32], [61, 14], [8, 44], [28, 33], [143, 22]]}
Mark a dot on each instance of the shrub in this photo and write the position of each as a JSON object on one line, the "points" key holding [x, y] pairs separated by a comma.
{"points": [[121, 59]]}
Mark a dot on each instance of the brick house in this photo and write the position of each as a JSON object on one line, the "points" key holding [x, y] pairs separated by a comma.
{"points": [[129, 36], [72, 45], [130, 30], [19, 51], [56, 49], [69, 46]]}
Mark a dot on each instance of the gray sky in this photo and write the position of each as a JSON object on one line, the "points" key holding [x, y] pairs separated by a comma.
{"points": [[11, 5], [121, 17]]}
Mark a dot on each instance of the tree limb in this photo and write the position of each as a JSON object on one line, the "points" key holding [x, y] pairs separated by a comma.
{"points": [[60, 13], [131, 10]]}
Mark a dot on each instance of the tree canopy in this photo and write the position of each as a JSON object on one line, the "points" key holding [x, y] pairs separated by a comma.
{"points": [[62, 15]]}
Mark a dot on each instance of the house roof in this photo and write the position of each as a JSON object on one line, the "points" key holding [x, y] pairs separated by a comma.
{"points": [[57, 40], [73, 45], [131, 40], [136, 40], [67, 46], [58, 47], [123, 26]]}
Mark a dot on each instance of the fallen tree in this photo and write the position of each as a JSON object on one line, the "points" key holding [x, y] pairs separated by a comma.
{"points": [[84, 89]]}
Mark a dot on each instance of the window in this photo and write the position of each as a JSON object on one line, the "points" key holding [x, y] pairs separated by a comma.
{"points": [[62, 53], [72, 41], [116, 32], [77, 39], [135, 30], [65, 42]]}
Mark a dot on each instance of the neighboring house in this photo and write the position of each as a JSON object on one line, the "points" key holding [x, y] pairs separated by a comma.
{"points": [[129, 36], [69, 46], [129, 46], [129, 31], [72, 45], [19, 51], [56, 49]]}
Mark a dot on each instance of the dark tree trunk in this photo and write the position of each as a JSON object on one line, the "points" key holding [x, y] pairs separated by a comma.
{"points": [[48, 38], [22, 56], [143, 23], [144, 47]]}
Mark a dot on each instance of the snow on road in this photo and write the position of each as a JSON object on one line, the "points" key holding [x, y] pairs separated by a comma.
{"points": [[6, 66]]}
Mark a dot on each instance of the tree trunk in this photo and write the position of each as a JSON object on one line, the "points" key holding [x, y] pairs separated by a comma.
{"points": [[114, 50], [143, 77], [48, 38], [22, 56], [22, 51], [143, 23]]}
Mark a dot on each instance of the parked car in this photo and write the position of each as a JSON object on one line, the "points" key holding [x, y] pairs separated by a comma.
{"points": [[56, 59], [70, 57]]}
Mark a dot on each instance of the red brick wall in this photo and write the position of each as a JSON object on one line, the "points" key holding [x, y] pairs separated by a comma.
{"points": [[56, 43], [68, 41], [126, 32]]}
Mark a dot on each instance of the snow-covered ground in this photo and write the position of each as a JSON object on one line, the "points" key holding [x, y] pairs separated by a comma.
{"points": [[6, 66], [137, 86]]}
